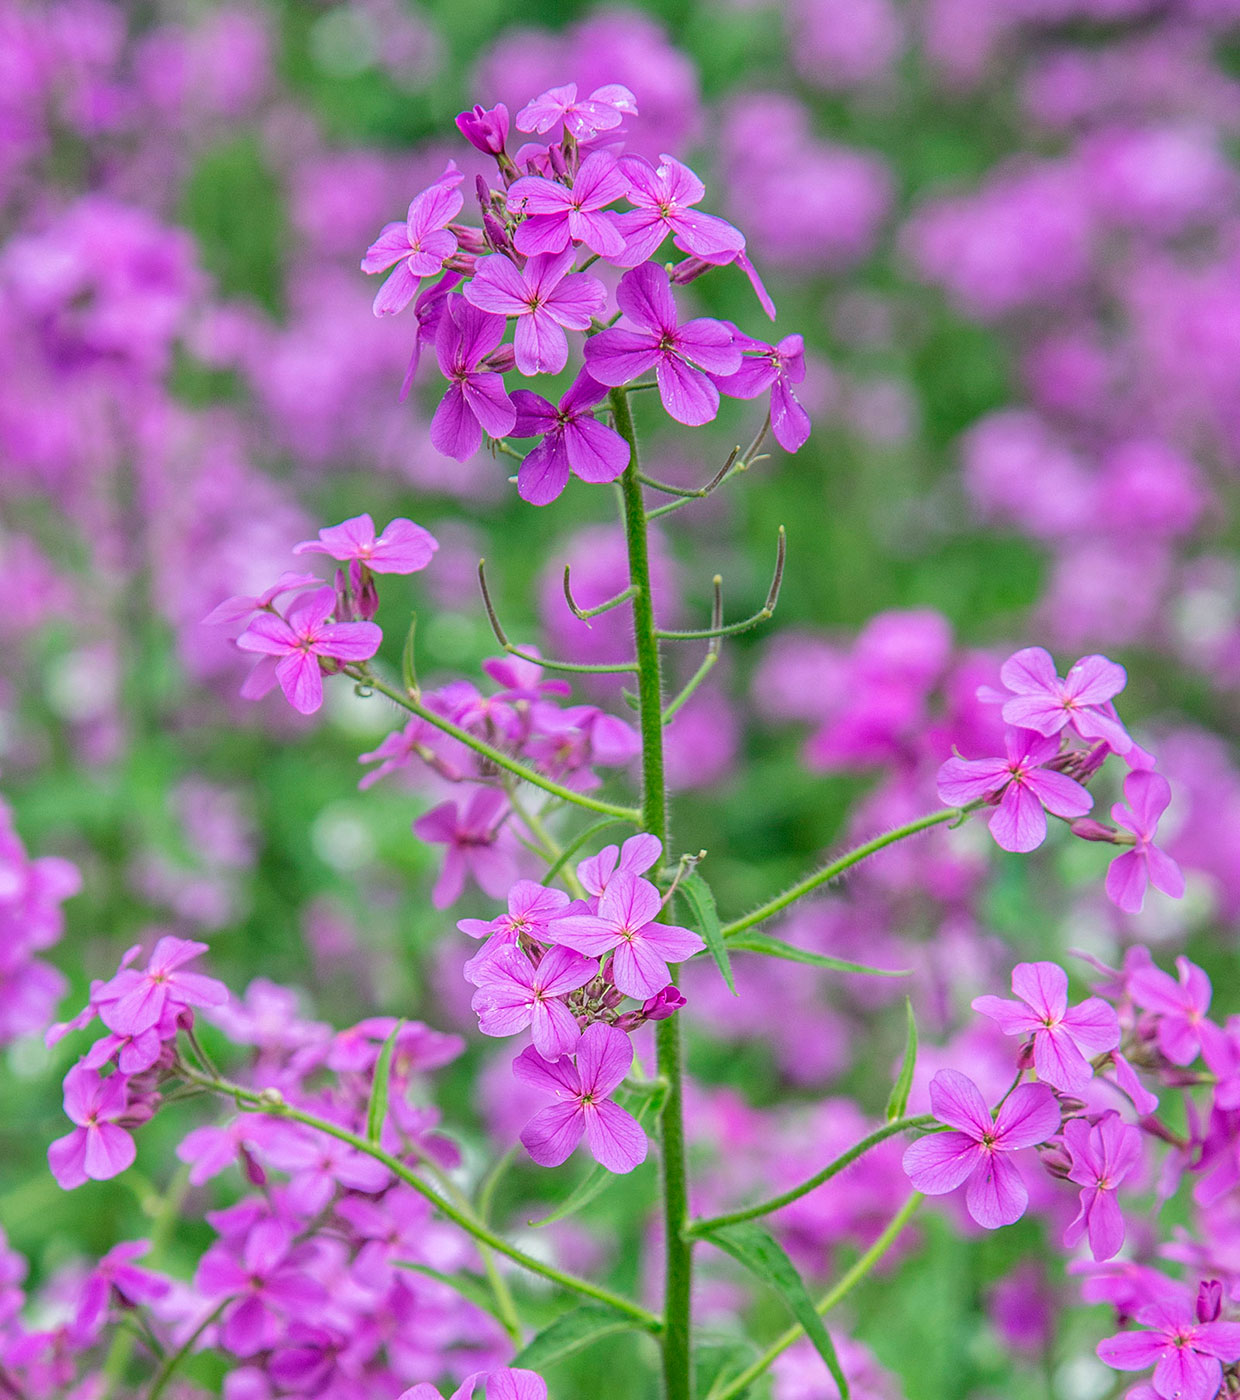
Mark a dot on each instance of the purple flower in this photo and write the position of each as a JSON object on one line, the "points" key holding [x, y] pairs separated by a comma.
{"points": [[513, 993], [403, 548], [1148, 796], [241, 607], [486, 131], [1186, 1354], [299, 639], [635, 857], [625, 921], [678, 354], [572, 440], [532, 910], [664, 196], [603, 110], [134, 1002], [777, 368], [557, 216], [941, 1162], [97, 1148], [1047, 703], [1102, 1156], [418, 246], [476, 398], [267, 1285], [319, 1166], [614, 1137], [509, 1383], [1063, 1041], [546, 297], [1183, 1027], [1023, 786], [474, 845]]}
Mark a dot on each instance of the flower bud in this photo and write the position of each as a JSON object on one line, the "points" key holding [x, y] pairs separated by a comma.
{"points": [[365, 591], [1090, 830], [503, 360], [344, 597], [1209, 1300], [485, 129], [468, 239], [496, 233], [663, 1004]]}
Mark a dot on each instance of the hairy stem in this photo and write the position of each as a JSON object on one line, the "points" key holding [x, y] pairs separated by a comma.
{"points": [[837, 867], [845, 1159], [678, 1259]]}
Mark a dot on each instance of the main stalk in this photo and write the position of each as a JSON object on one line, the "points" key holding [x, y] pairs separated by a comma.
{"points": [[678, 1272]]}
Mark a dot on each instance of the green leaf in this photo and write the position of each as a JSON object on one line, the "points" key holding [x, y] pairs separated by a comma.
{"points": [[759, 1252], [901, 1089], [598, 1178], [472, 1287], [715, 1357], [706, 922], [408, 669], [569, 1333], [376, 1113], [750, 942]]}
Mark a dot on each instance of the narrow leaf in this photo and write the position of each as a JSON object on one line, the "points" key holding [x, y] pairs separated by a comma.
{"points": [[598, 1178], [706, 922], [377, 1111], [903, 1086], [408, 668], [471, 1287], [749, 942], [570, 1332], [759, 1252]]}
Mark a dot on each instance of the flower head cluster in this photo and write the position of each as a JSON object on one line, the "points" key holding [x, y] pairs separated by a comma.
{"points": [[552, 214]]}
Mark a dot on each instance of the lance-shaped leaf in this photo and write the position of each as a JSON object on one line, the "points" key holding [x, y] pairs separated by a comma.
{"points": [[900, 1090], [749, 942], [706, 922], [377, 1110], [570, 1332]]}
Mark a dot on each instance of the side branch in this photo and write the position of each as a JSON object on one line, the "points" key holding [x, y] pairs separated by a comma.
{"points": [[584, 614], [709, 660], [766, 611]]}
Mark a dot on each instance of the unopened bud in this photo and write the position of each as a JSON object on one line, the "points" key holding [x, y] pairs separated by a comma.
{"points": [[1209, 1300], [663, 1004]]}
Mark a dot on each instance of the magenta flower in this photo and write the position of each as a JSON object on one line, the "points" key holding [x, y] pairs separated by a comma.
{"points": [[1148, 796], [1063, 1041], [941, 1162], [508, 1383], [1047, 703], [97, 1148], [418, 246], [1025, 789], [1184, 1030], [1102, 1156], [664, 197], [293, 645], [558, 216], [679, 355], [636, 856], [1186, 1354], [533, 909], [486, 131], [475, 848], [625, 921], [573, 440], [476, 398], [614, 1137], [403, 548], [777, 368], [239, 608], [513, 993], [603, 110], [267, 1283], [134, 1002], [546, 297]]}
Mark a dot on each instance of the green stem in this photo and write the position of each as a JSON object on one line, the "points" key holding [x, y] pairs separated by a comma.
{"points": [[277, 1108], [492, 754], [846, 1159], [168, 1369], [837, 867], [678, 1257], [847, 1283]]}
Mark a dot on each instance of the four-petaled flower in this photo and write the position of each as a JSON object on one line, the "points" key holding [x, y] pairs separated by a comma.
{"points": [[604, 109], [476, 398], [625, 921], [97, 1148], [475, 845], [1187, 1355], [403, 548], [1048, 703], [1025, 789], [292, 645], [134, 1002], [513, 993], [418, 246], [546, 297], [1148, 796], [941, 1162], [1063, 1041], [573, 440], [664, 196], [1183, 1027], [532, 910], [680, 355], [556, 215], [1102, 1156], [584, 1089], [777, 368]]}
